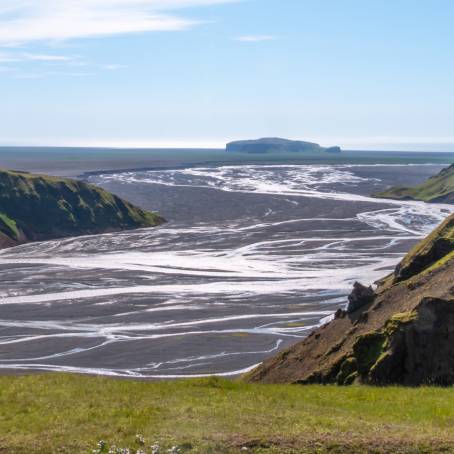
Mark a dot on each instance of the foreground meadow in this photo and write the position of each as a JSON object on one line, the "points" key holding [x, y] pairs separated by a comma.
{"points": [[71, 414]]}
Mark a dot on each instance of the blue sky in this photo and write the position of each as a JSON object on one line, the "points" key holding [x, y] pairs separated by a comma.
{"points": [[372, 74]]}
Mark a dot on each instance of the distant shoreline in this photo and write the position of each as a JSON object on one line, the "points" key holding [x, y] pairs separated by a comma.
{"points": [[83, 163], [85, 175], [221, 149]]}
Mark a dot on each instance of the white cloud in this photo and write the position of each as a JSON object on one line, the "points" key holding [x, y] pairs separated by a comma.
{"points": [[44, 57], [42, 75], [23, 21], [15, 57], [45, 61], [7, 58], [114, 67], [255, 38]]}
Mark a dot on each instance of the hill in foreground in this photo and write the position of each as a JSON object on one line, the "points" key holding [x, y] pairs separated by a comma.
{"points": [[37, 207], [401, 333], [207, 416], [275, 144], [437, 189]]}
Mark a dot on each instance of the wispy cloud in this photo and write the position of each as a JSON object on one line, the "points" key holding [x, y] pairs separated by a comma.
{"points": [[113, 67], [45, 74], [45, 57], [16, 57], [255, 38], [23, 21], [39, 65]]}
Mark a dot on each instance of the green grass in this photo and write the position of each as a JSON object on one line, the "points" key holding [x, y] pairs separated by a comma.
{"points": [[70, 414], [436, 188], [8, 226], [46, 207], [432, 252]]}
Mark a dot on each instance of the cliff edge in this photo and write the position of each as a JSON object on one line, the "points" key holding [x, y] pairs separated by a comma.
{"points": [[437, 189], [38, 207], [401, 333]]}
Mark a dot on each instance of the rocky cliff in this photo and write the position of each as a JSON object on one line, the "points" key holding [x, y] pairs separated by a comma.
{"points": [[38, 207], [401, 333]]}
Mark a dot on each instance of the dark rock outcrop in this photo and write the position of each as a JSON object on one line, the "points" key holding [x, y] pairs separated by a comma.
{"points": [[417, 347], [359, 297]]}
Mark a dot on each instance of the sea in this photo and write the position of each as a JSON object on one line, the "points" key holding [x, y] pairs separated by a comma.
{"points": [[257, 251]]}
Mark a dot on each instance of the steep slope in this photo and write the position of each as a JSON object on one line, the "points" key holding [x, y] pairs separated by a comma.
{"points": [[434, 250], [437, 189], [275, 144], [403, 333], [38, 207]]}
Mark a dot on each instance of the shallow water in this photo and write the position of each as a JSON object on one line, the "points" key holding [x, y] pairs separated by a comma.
{"points": [[253, 258]]}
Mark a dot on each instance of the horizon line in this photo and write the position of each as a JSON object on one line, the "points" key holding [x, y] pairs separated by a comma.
{"points": [[432, 144]]}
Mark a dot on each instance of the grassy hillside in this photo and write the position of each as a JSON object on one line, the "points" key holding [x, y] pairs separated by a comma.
{"points": [[432, 252], [71, 414], [403, 334], [439, 188], [38, 207]]}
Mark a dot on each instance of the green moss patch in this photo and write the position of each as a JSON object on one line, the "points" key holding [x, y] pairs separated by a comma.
{"points": [[8, 227], [367, 349]]}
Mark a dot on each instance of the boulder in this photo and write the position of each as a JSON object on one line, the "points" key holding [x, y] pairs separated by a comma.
{"points": [[359, 297]]}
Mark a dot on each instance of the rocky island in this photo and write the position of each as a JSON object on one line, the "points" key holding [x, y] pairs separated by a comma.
{"points": [[401, 333], [437, 189], [38, 207], [274, 144]]}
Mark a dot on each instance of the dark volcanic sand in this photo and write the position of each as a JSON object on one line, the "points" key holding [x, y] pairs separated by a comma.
{"points": [[253, 257]]}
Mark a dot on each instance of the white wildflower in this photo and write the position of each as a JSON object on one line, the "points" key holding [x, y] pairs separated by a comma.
{"points": [[140, 439]]}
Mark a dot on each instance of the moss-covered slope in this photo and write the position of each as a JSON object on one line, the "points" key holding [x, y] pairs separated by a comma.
{"points": [[439, 189], [38, 207], [404, 334], [433, 251]]}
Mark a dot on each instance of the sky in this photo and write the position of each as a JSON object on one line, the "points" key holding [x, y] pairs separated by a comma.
{"points": [[361, 74]]}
